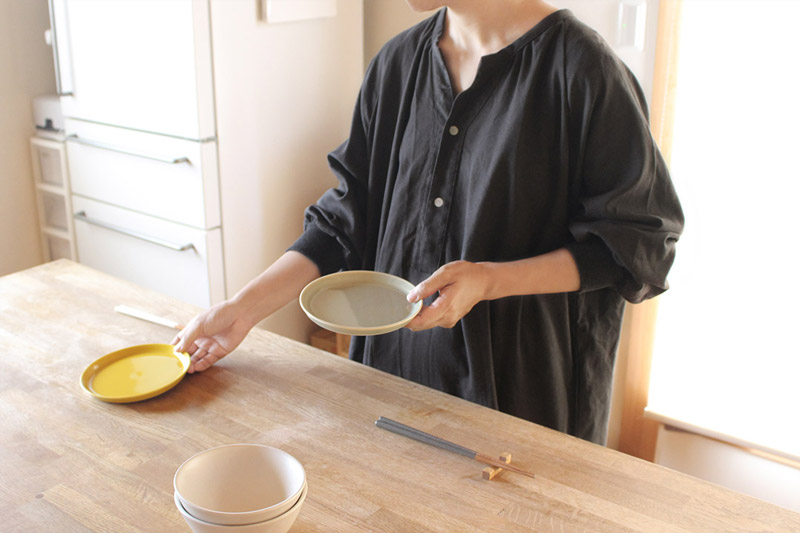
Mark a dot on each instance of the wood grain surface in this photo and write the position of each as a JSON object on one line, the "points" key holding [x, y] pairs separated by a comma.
{"points": [[69, 462]]}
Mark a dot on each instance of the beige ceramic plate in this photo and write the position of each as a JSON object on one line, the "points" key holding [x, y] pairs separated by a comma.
{"points": [[359, 302]]}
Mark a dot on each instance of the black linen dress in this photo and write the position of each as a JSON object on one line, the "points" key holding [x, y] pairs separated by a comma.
{"points": [[550, 147]]}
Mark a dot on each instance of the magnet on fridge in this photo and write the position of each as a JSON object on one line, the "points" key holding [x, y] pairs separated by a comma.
{"points": [[631, 23]]}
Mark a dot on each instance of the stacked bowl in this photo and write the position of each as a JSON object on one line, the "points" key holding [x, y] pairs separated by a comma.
{"points": [[240, 488]]}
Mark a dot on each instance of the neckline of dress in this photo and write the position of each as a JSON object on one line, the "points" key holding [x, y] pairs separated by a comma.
{"points": [[514, 46]]}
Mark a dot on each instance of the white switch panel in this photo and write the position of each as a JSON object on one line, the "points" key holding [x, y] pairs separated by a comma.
{"points": [[631, 24]]}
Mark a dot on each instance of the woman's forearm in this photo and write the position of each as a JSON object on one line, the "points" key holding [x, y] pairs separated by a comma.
{"points": [[552, 272], [278, 285], [462, 284]]}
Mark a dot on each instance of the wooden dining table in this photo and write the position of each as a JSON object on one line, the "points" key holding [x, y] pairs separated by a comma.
{"points": [[70, 462]]}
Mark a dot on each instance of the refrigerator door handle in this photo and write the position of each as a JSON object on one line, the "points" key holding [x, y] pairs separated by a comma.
{"points": [[95, 144], [59, 39], [83, 217]]}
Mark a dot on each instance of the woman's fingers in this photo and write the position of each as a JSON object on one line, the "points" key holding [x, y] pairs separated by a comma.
{"points": [[197, 356], [435, 282], [204, 358], [184, 340], [460, 285], [444, 312], [210, 336], [429, 317], [204, 362]]}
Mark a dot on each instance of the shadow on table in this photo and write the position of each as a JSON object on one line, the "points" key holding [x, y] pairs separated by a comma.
{"points": [[194, 391]]}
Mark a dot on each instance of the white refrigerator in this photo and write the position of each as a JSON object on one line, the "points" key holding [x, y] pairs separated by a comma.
{"points": [[197, 132]]}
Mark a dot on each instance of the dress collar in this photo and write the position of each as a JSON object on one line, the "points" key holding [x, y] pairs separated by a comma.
{"points": [[522, 41]]}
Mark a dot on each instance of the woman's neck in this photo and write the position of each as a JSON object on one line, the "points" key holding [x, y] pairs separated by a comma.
{"points": [[475, 28], [484, 27]]}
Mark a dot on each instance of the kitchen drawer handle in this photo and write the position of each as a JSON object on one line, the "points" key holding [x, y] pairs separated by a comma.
{"points": [[94, 144], [81, 215]]}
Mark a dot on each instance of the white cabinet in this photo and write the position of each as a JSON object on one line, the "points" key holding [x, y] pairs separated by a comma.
{"points": [[149, 227], [136, 90], [139, 64], [177, 137], [167, 177], [171, 258], [51, 179], [146, 209]]}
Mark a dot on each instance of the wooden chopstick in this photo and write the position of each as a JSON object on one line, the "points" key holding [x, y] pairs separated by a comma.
{"points": [[416, 434], [149, 317]]}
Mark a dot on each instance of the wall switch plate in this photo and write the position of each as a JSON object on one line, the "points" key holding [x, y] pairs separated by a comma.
{"points": [[631, 23]]}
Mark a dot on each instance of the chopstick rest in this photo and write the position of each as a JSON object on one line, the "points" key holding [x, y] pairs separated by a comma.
{"points": [[496, 466]]}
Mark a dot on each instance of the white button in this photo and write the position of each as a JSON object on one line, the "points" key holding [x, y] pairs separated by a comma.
{"points": [[453, 130], [438, 202]]}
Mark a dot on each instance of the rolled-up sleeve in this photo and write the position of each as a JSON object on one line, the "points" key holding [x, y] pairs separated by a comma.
{"points": [[628, 217]]}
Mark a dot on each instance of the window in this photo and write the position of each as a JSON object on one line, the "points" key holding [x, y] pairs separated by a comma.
{"points": [[726, 356]]}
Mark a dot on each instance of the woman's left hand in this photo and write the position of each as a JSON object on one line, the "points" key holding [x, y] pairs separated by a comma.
{"points": [[460, 284]]}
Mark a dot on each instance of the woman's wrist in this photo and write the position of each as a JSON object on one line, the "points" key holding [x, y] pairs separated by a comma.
{"points": [[492, 279], [245, 308]]}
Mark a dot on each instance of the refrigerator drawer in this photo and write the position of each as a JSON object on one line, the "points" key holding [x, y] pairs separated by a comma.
{"points": [[170, 178], [173, 259]]}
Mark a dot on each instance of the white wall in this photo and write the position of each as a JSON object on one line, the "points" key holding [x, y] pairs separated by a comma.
{"points": [[270, 174], [26, 71], [383, 19], [730, 466]]}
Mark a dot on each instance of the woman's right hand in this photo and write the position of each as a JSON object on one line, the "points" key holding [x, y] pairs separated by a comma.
{"points": [[212, 335], [215, 333]]}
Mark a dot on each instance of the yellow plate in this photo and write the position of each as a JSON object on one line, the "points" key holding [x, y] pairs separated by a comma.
{"points": [[359, 302], [135, 373]]}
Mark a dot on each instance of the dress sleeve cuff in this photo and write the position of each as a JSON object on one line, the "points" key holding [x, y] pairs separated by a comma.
{"points": [[321, 248], [596, 265]]}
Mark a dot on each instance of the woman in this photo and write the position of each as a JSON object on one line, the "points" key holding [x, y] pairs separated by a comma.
{"points": [[500, 159]]}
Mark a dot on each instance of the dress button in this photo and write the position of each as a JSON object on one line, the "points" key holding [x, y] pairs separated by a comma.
{"points": [[453, 130], [438, 202]]}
